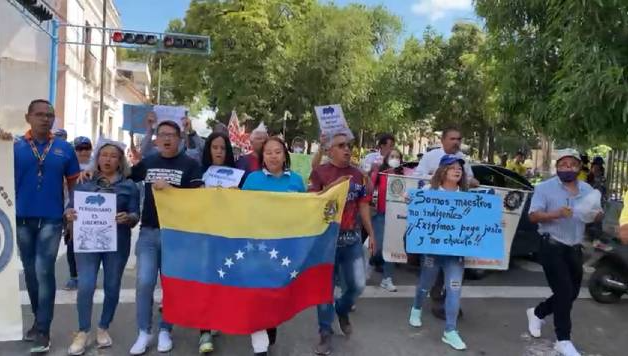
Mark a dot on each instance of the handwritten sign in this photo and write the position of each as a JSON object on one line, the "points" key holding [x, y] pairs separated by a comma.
{"points": [[331, 120], [302, 164], [134, 117], [455, 224], [95, 230], [220, 176]]}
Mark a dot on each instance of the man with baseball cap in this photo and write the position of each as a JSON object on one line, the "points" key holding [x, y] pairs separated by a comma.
{"points": [[562, 232]]}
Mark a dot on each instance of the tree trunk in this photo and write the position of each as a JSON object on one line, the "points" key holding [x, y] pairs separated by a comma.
{"points": [[481, 145], [546, 147], [491, 145]]}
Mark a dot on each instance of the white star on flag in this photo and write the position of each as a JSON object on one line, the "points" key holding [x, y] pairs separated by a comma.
{"points": [[249, 246], [285, 261], [239, 255], [221, 273], [262, 246], [229, 262], [294, 274], [273, 254]]}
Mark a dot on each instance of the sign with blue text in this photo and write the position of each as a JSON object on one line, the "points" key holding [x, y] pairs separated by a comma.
{"points": [[455, 224]]}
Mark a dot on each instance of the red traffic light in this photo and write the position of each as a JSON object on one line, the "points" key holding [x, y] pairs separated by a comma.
{"points": [[134, 38], [117, 37]]}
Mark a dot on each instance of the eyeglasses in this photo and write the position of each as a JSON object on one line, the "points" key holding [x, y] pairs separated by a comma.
{"points": [[167, 135]]}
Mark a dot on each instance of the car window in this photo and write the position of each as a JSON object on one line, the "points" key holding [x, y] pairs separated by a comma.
{"points": [[500, 177]]}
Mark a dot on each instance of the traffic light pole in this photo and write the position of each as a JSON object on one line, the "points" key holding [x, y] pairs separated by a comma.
{"points": [[103, 67], [52, 87]]}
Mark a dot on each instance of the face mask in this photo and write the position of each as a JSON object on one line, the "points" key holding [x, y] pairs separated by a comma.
{"points": [[394, 162], [298, 150], [567, 177]]}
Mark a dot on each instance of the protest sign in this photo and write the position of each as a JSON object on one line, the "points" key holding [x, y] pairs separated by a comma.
{"points": [[331, 120], [11, 311], [397, 210], [95, 229], [302, 164], [454, 223], [134, 117], [220, 176], [170, 113]]}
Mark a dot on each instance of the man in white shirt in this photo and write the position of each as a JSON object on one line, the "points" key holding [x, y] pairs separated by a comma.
{"points": [[385, 144], [451, 141]]}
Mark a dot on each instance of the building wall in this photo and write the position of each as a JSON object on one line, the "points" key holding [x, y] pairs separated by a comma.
{"points": [[24, 69]]}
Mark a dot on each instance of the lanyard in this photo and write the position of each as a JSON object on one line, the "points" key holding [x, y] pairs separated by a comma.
{"points": [[40, 160]]}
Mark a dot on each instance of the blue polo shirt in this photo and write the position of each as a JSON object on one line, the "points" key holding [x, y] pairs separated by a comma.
{"points": [[289, 182], [46, 201]]}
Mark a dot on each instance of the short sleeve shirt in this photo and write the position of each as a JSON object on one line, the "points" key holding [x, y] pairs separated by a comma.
{"points": [[42, 197], [289, 182], [180, 171], [431, 160], [326, 174]]}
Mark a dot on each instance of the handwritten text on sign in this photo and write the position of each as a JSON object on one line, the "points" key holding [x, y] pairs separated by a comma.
{"points": [[455, 224]]}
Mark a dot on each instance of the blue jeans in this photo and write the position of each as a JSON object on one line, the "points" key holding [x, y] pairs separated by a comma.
{"points": [[378, 226], [38, 243], [148, 252], [88, 265], [349, 262], [453, 268]]}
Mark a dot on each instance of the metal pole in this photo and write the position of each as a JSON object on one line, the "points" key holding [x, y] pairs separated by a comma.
{"points": [[159, 84], [285, 118], [103, 66], [52, 88]]}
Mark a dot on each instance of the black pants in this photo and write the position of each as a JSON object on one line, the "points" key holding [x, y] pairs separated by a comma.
{"points": [[69, 242], [562, 265]]}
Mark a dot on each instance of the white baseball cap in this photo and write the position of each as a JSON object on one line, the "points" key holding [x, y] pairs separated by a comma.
{"points": [[567, 152]]}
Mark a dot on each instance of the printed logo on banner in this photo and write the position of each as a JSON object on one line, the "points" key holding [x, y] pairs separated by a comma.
{"points": [[6, 241], [331, 209], [513, 200], [95, 200], [397, 187]]}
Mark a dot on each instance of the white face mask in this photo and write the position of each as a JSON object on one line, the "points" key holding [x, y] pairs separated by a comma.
{"points": [[298, 150], [394, 162]]}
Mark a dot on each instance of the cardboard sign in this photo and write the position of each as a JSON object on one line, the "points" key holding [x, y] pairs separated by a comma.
{"points": [[220, 176], [170, 113], [134, 116], [11, 311], [454, 224], [397, 211], [95, 230], [331, 120]]}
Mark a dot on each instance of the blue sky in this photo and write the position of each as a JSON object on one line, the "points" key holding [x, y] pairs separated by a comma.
{"points": [[154, 15]]}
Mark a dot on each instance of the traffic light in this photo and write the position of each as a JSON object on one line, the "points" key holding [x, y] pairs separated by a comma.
{"points": [[134, 38], [185, 42], [40, 11]]}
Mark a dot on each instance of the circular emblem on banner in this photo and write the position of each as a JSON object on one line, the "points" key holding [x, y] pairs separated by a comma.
{"points": [[397, 186], [513, 200], [6, 241]]}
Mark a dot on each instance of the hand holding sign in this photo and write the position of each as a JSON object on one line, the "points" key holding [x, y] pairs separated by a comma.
{"points": [[455, 224], [331, 120]]}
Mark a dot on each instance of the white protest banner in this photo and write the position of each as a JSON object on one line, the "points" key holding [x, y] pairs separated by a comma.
{"points": [[331, 120], [11, 310], [95, 229], [220, 176], [170, 113], [397, 210]]}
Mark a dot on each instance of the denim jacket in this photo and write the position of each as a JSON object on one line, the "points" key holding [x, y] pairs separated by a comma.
{"points": [[127, 198]]}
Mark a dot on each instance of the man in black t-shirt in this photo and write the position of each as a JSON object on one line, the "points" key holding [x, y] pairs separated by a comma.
{"points": [[169, 168]]}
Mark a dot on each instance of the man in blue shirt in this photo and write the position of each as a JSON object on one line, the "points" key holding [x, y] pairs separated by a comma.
{"points": [[562, 230], [42, 162]]}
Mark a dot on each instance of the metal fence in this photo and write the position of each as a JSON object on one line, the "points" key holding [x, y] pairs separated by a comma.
{"points": [[617, 175]]}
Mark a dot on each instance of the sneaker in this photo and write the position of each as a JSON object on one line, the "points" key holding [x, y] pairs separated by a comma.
{"points": [[345, 325], [141, 344], [72, 284], [79, 343], [452, 339], [388, 285], [205, 343], [324, 345], [103, 340], [415, 317], [31, 333], [354, 308], [164, 341], [41, 344], [534, 323], [566, 348]]}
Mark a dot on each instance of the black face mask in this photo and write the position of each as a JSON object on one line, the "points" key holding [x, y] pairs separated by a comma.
{"points": [[567, 177]]}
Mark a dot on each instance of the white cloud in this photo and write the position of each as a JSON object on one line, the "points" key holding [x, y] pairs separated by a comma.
{"points": [[438, 9]]}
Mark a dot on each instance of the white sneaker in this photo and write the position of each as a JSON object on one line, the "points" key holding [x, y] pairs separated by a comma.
{"points": [[566, 348], [141, 344], [388, 285], [164, 342], [534, 323]]}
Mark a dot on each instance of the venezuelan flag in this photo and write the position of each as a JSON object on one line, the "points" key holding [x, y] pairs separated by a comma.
{"points": [[243, 261]]}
